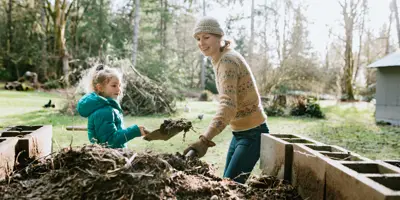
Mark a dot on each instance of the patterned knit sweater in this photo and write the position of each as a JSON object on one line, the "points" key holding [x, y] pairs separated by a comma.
{"points": [[240, 104]]}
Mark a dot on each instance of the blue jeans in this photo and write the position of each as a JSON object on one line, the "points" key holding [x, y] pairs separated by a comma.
{"points": [[243, 153]]}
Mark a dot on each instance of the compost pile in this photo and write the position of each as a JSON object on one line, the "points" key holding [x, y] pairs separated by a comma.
{"points": [[94, 172]]}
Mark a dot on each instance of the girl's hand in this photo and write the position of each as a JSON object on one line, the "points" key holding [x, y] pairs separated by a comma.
{"points": [[143, 131]]}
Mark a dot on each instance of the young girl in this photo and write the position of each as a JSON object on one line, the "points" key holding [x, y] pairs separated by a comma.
{"points": [[105, 122], [239, 103]]}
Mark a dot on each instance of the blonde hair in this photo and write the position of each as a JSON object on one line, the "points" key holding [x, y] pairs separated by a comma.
{"points": [[102, 75]]}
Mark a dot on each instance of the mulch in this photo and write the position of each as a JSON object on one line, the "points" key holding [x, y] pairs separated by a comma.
{"points": [[95, 172]]}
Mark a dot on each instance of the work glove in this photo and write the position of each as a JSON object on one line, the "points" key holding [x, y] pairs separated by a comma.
{"points": [[200, 147]]}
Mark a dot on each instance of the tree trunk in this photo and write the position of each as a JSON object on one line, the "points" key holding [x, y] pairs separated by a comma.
{"points": [[388, 33], [44, 64], [264, 72], [9, 41], [251, 43], [396, 14], [56, 24], [358, 64], [61, 11], [163, 29], [161, 36], [64, 56], [349, 18], [202, 59], [74, 29], [135, 32], [101, 25]]}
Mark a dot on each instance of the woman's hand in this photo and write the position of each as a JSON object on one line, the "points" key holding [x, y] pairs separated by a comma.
{"points": [[200, 147], [143, 131]]}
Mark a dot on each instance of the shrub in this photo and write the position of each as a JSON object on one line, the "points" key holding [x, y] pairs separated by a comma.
{"points": [[52, 84], [277, 106], [299, 108], [308, 108], [274, 110], [205, 95], [314, 110]]}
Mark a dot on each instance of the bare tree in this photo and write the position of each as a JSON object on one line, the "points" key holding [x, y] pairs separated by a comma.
{"points": [[362, 26], [10, 37], [350, 12], [163, 28], [290, 44], [44, 64], [135, 33], [59, 15], [396, 15], [251, 43], [202, 59], [389, 28]]}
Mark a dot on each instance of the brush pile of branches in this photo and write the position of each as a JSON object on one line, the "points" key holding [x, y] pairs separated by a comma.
{"points": [[144, 96], [94, 172]]}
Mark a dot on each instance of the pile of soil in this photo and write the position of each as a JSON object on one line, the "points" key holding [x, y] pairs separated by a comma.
{"points": [[94, 172]]}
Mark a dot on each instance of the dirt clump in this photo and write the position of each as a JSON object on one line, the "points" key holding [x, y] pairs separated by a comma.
{"points": [[172, 127], [169, 128], [94, 172]]}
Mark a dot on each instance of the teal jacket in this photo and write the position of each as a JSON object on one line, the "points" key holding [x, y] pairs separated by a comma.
{"points": [[105, 122]]}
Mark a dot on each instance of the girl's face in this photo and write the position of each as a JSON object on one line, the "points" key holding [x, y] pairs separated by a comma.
{"points": [[208, 44], [112, 89]]}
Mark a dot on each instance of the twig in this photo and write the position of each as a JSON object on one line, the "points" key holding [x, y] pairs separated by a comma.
{"points": [[110, 161], [70, 144], [17, 171], [166, 163], [129, 161], [59, 147], [139, 175], [126, 166], [84, 171]]}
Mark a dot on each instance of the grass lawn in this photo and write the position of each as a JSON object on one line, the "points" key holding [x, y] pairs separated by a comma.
{"points": [[348, 125]]}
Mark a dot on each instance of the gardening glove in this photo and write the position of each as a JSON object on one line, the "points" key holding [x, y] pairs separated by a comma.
{"points": [[200, 146]]}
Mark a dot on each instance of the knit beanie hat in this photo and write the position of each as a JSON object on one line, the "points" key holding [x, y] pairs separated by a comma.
{"points": [[207, 25]]}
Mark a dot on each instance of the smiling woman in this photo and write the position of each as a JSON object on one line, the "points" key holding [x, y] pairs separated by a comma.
{"points": [[239, 103]]}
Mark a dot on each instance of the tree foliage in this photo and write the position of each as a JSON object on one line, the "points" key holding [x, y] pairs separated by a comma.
{"points": [[57, 38]]}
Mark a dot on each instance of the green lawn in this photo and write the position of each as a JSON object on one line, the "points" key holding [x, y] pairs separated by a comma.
{"points": [[346, 125]]}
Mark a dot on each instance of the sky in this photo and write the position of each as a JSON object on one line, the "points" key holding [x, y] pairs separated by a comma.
{"points": [[321, 14]]}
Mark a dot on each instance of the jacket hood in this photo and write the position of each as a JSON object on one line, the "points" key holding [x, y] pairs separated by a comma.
{"points": [[92, 102]]}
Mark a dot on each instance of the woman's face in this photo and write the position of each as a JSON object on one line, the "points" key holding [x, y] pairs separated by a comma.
{"points": [[208, 44]]}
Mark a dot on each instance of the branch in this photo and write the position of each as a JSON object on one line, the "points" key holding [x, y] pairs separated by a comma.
{"points": [[354, 8], [69, 9], [341, 5], [271, 9], [48, 8], [85, 7]]}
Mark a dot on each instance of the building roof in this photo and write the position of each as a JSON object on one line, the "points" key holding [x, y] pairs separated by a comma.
{"points": [[391, 60]]}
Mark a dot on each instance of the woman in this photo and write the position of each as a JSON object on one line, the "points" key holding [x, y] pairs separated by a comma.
{"points": [[239, 103]]}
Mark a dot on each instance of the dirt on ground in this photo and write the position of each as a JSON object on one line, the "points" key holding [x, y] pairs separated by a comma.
{"points": [[94, 172]]}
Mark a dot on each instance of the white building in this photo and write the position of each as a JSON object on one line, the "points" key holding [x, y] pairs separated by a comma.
{"points": [[388, 89]]}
